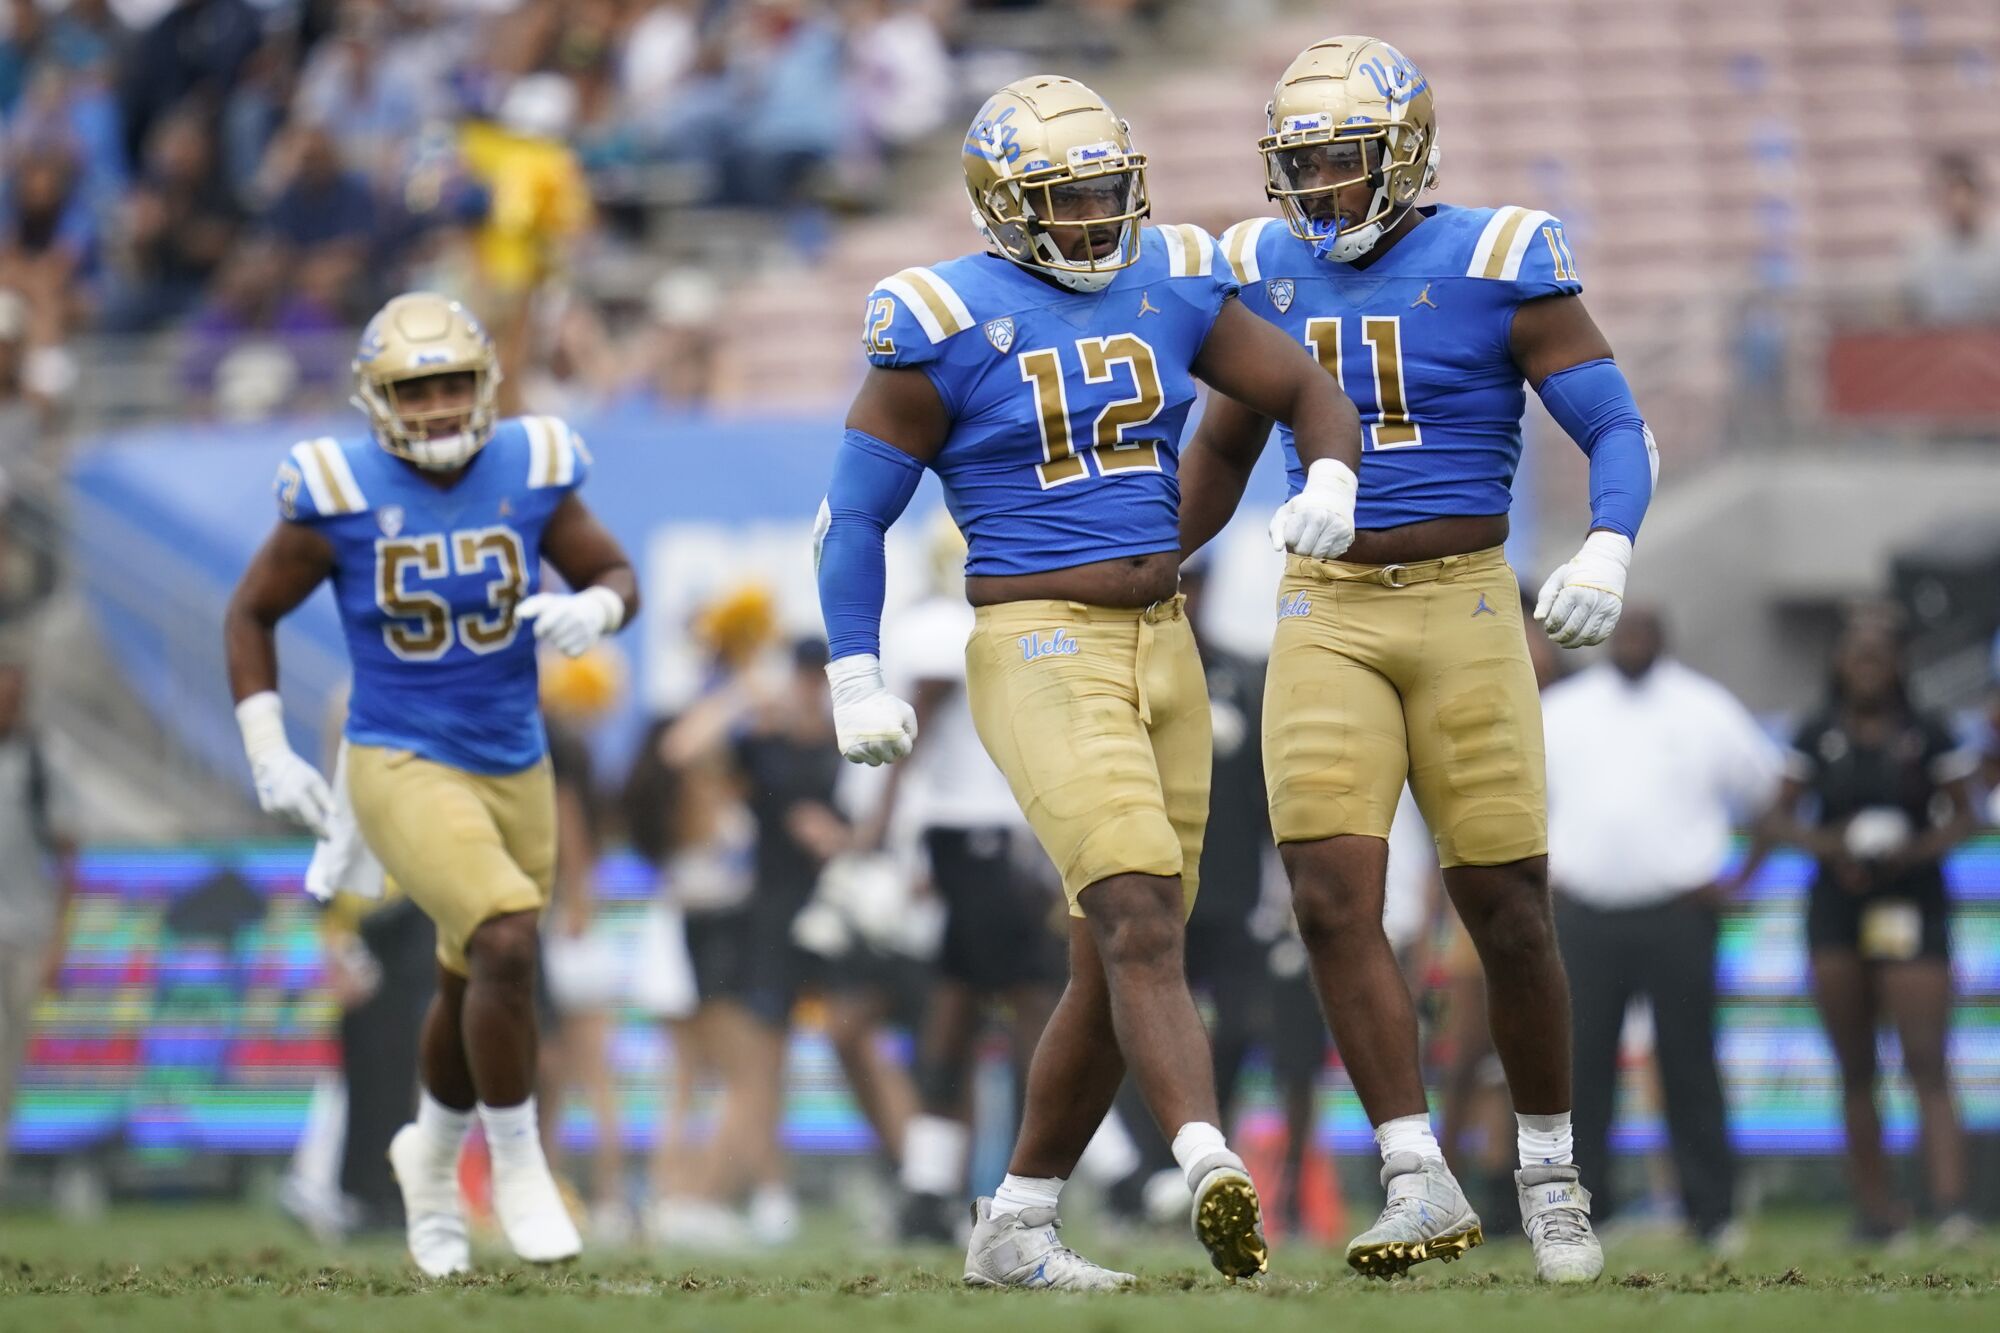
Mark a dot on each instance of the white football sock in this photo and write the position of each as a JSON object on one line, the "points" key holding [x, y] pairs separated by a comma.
{"points": [[934, 1155], [1545, 1140], [443, 1128], [1198, 1139], [1408, 1134], [1017, 1194], [512, 1134]]}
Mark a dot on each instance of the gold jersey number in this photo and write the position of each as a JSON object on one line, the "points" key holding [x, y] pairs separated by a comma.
{"points": [[1061, 461], [1383, 336], [420, 627]]}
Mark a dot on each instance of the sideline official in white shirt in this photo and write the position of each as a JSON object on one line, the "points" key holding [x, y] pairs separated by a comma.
{"points": [[1650, 765]]}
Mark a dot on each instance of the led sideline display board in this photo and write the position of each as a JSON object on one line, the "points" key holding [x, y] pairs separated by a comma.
{"points": [[190, 1019]]}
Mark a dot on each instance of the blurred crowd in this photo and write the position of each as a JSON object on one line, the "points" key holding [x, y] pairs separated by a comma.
{"points": [[260, 174]]}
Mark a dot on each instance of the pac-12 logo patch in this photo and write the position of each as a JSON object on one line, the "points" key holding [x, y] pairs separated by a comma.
{"points": [[1056, 644], [1293, 605], [1000, 332], [1282, 291], [390, 518]]}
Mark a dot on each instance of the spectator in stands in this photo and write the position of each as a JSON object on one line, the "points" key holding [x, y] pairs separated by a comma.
{"points": [[178, 225], [676, 355], [48, 233], [901, 71], [1650, 765], [1952, 266], [1891, 797], [37, 878], [196, 47], [323, 209], [370, 91], [540, 198]]}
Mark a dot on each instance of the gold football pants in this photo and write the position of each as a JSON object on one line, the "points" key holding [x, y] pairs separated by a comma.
{"points": [[1382, 672], [1099, 718], [465, 847]]}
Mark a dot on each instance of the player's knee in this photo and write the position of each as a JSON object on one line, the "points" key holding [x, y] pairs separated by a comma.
{"points": [[1330, 900], [1515, 919], [504, 951], [1136, 920]]}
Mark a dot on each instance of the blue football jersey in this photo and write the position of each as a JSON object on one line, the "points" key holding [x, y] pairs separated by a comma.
{"points": [[427, 581], [1066, 407], [1418, 340]]}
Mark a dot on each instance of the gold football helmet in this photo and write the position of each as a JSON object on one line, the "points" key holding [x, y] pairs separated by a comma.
{"points": [[1349, 111], [415, 336], [1051, 170]]}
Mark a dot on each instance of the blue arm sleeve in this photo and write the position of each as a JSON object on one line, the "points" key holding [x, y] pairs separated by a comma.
{"points": [[872, 484], [1594, 404]]}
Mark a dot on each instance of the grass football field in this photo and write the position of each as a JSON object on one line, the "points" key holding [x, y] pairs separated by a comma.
{"points": [[206, 1268]]}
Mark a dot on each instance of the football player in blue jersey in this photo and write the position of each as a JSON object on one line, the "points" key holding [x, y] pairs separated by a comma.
{"points": [[432, 528], [1046, 380], [1406, 657]]}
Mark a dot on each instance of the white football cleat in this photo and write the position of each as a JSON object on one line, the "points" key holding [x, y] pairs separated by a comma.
{"points": [[1555, 1212], [1022, 1250], [1228, 1221], [433, 1216], [531, 1210], [1427, 1217]]}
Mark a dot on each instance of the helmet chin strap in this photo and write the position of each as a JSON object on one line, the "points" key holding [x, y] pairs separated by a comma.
{"points": [[1076, 280]]}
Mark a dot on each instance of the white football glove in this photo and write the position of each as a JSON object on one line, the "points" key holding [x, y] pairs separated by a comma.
{"points": [[286, 784], [1318, 522], [1581, 602], [573, 621], [871, 725]]}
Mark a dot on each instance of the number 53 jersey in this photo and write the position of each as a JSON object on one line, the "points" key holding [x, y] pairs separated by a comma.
{"points": [[427, 581], [1419, 340], [1067, 407]]}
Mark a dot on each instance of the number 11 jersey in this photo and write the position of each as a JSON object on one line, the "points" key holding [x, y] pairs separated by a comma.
{"points": [[1067, 407], [1419, 340], [427, 580]]}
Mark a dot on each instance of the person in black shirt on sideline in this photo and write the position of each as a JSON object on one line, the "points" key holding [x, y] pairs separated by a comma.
{"points": [[1890, 798]]}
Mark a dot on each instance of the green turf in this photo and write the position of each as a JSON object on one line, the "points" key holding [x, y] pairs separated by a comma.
{"points": [[216, 1269]]}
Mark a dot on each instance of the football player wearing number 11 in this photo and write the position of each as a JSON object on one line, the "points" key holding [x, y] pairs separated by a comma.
{"points": [[1046, 380], [1408, 656], [433, 528]]}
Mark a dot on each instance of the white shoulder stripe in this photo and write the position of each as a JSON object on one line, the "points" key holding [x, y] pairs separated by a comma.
{"points": [[1239, 247], [539, 449], [938, 308], [1483, 251], [1530, 228], [551, 451], [329, 480], [1205, 248]]}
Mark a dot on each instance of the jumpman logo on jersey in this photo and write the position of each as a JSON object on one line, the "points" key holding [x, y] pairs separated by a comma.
{"points": [[1483, 609], [1424, 298], [506, 507], [1146, 306]]}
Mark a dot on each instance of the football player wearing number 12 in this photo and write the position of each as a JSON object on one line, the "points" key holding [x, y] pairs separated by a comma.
{"points": [[1046, 381], [1408, 656], [433, 528]]}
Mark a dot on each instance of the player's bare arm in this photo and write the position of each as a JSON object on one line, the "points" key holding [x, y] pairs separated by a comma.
{"points": [[292, 562], [1273, 378], [585, 553], [590, 560]]}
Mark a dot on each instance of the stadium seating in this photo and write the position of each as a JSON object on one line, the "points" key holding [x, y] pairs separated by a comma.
{"points": [[1710, 156]]}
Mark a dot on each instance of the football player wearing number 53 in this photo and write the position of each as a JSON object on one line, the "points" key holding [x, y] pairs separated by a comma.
{"points": [[1046, 380], [433, 528], [1407, 657]]}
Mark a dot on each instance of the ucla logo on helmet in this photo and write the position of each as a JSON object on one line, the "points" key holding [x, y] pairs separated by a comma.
{"points": [[1000, 332], [390, 518], [1282, 290]]}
